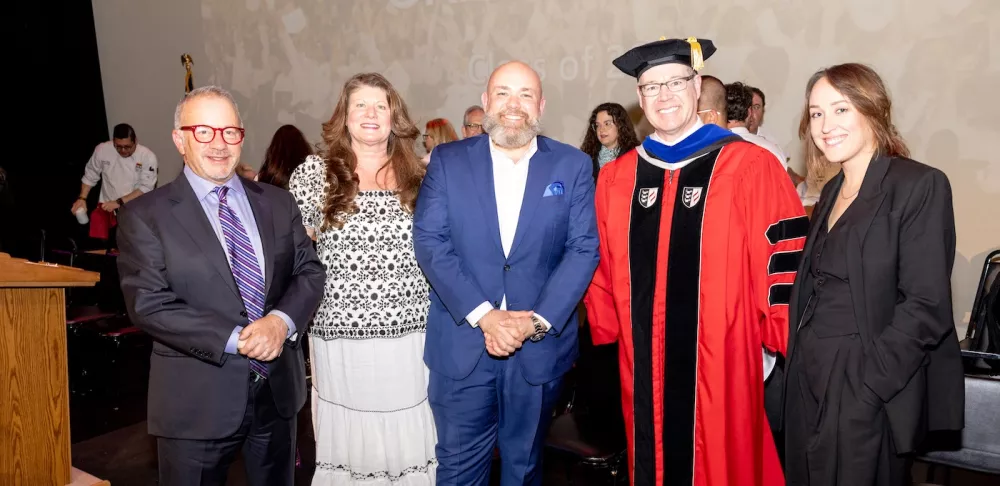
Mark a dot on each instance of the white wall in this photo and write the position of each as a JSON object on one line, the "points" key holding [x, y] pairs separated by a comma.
{"points": [[140, 45], [286, 60]]}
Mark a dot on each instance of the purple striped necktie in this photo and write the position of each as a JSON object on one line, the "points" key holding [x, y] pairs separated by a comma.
{"points": [[243, 263]]}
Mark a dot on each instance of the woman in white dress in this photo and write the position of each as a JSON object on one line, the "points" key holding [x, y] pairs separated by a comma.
{"points": [[373, 423]]}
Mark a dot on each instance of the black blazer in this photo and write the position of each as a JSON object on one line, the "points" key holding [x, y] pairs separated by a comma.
{"points": [[899, 267], [179, 288]]}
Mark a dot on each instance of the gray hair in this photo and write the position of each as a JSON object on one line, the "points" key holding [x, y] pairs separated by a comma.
{"points": [[205, 91], [470, 110]]}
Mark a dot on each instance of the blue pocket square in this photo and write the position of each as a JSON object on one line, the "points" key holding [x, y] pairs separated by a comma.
{"points": [[554, 189]]}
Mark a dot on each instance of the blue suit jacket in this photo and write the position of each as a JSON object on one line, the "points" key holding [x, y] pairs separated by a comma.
{"points": [[456, 236]]}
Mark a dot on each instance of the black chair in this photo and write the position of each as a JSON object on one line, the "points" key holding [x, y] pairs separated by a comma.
{"points": [[588, 435], [977, 447], [980, 439], [981, 346]]}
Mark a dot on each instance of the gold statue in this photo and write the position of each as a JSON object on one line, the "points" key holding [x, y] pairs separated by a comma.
{"points": [[188, 78]]}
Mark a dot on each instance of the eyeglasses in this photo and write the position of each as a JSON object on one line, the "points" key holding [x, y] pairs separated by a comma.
{"points": [[473, 126], [708, 111], [123, 148], [206, 134], [650, 90], [606, 124]]}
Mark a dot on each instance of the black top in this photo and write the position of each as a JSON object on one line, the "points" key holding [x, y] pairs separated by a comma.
{"points": [[830, 311]]}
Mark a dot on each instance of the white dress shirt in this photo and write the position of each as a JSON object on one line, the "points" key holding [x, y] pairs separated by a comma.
{"points": [[762, 143], [121, 175], [510, 178]]}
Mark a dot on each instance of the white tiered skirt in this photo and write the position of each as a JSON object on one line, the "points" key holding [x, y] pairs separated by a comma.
{"points": [[373, 422]]}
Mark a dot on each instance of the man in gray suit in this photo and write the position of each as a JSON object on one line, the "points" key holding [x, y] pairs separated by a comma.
{"points": [[220, 272]]}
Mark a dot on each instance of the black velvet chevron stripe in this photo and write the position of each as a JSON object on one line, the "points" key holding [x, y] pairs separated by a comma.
{"points": [[788, 229]]}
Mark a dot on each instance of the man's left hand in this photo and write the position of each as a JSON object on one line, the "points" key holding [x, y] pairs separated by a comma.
{"points": [[109, 206], [263, 339], [521, 321]]}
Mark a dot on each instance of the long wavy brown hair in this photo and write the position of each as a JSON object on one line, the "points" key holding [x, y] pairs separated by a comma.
{"points": [[627, 140], [341, 163], [863, 87]]}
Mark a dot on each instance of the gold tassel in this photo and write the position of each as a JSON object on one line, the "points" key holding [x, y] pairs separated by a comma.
{"points": [[697, 61]]}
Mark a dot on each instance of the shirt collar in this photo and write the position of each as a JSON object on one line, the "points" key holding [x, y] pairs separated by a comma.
{"points": [[204, 187], [697, 124], [740, 130], [495, 152]]}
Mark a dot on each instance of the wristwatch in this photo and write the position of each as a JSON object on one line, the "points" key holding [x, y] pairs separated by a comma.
{"points": [[120, 202], [540, 330]]}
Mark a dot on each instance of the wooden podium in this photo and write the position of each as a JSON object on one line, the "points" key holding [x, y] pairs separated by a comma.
{"points": [[34, 386]]}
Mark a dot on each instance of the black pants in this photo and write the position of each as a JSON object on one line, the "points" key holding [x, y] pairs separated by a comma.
{"points": [[267, 441], [836, 431]]}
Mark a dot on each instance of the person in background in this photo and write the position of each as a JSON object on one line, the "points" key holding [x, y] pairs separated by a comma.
{"points": [[712, 103], [609, 134], [472, 121], [372, 418], [758, 106], [288, 149], [738, 99], [126, 171], [757, 109], [873, 359], [437, 131], [219, 271]]}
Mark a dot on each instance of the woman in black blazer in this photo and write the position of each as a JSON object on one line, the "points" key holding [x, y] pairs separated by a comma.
{"points": [[872, 336]]}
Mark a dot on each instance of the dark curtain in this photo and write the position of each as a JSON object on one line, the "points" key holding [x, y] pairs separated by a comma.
{"points": [[56, 109]]}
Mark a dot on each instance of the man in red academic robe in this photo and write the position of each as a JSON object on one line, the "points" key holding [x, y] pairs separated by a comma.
{"points": [[700, 236]]}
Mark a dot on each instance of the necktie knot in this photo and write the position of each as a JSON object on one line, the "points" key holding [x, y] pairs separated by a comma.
{"points": [[221, 191]]}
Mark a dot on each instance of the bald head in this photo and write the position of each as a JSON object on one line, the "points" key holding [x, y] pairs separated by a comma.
{"points": [[712, 103], [514, 105], [517, 71]]}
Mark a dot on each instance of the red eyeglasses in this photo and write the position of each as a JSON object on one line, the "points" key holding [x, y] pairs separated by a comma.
{"points": [[206, 134]]}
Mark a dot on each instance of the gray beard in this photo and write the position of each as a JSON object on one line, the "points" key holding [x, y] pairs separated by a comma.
{"points": [[510, 138]]}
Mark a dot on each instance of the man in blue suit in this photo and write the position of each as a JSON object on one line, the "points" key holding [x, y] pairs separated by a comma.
{"points": [[504, 230]]}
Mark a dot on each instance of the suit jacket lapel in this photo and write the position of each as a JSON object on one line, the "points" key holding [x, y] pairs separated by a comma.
{"points": [[539, 176], [870, 200], [189, 213], [803, 279], [871, 195], [481, 166], [265, 228]]}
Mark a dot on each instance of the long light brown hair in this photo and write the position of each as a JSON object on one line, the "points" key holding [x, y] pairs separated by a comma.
{"points": [[863, 87], [341, 163]]}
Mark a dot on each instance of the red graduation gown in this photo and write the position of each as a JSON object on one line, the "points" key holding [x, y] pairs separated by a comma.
{"points": [[695, 275]]}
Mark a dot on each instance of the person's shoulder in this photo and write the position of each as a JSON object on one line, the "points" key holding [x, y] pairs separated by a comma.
{"points": [[458, 147], [103, 147], [623, 166], [143, 151], [907, 173], [147, 204], [272, 193], [558, 147], [313, 166], [564, 152]]}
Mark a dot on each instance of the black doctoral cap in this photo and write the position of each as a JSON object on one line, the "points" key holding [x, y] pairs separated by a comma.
{"points": [[691, 52]]}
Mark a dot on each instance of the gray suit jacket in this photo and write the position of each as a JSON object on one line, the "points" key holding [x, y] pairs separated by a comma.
{"points": [[179, 288]]}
